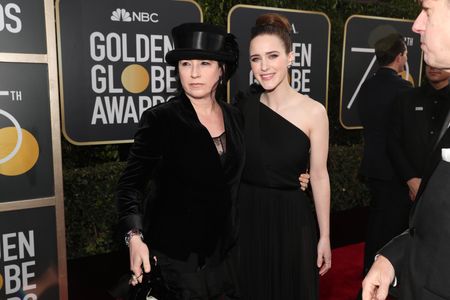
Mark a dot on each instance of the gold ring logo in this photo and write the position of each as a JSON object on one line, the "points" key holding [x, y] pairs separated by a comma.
{"points": [[19, 149], [135, 78]]}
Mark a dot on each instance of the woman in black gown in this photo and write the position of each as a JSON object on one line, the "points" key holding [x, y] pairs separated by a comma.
{"points": [[192, 148], [285, 132]]}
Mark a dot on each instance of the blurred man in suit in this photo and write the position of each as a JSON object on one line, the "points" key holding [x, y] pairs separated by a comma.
{"points": [[418, 260], [417, 118], [387, 213]]}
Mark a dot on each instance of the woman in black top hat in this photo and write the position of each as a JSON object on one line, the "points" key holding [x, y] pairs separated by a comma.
{"points": [[192, 149]]}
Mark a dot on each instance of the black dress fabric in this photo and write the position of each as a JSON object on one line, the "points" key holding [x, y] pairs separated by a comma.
{"points": [[278, 236]]}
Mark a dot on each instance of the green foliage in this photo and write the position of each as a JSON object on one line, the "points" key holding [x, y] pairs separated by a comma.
{"points": [[347, 190], [90, 209], [83, 156]]}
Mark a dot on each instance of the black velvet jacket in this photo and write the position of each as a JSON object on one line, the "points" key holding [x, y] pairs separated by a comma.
{"points": [[193, 204]]}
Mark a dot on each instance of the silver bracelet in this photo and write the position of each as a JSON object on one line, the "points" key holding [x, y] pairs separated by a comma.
{"points": [[132, 233]]}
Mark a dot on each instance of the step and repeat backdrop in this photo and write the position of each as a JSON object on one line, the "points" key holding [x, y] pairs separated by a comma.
{"points": [[311, 47], [93, 75], [32, 244], [359, 61], [112, 64], [111, 68]]}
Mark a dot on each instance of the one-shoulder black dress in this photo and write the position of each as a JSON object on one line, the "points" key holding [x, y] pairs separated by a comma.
{"points": [[278, 236]]}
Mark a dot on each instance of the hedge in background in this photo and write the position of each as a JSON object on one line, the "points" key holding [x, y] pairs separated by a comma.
{"points": [[90, 208], [347, 189]]}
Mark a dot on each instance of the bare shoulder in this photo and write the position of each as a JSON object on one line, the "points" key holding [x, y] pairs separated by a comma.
{"points": [[311, 106]]}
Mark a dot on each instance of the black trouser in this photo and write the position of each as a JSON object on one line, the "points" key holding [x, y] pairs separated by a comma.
{"points": [[388, 215], [200, 279]]}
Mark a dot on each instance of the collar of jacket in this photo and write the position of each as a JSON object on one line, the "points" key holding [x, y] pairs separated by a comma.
{"points": [[387, 70], [187, 104], [443, 93]]}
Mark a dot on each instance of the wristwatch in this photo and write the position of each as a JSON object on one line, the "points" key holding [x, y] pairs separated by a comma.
{"points": [[132, 233]]}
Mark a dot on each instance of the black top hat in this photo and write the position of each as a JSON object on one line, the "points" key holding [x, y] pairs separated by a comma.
{"points": [[202, 41]]}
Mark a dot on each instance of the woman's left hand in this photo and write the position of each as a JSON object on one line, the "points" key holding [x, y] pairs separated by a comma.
{"points": [[324, 255]]}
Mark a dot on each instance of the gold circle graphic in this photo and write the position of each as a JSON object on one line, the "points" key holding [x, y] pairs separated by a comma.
{"points": [[25, 158], [135, 78], [1, 281]]}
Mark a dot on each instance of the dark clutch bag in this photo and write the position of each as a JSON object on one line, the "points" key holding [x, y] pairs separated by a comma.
{"points": [[153, 286]]}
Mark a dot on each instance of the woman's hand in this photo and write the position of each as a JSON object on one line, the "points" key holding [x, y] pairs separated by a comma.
{"points": [[304, 181], [139, 259], [324, 255]]}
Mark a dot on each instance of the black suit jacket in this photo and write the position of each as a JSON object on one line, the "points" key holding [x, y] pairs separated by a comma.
{"points": [[194, 207], [420, 255], [375, 100], [417, 118]]}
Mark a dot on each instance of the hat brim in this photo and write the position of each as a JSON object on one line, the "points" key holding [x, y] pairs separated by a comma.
{"points": [[172, 57]]}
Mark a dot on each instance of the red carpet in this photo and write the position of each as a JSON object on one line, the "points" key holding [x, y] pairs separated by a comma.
{"points": [[342, 282], [344, 279]]}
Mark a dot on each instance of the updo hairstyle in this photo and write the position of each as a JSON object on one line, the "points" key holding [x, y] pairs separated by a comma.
{"points": [[274, 24]]}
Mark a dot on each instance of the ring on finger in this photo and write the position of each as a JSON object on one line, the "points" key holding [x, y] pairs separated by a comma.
{"points": [[134, 277]]}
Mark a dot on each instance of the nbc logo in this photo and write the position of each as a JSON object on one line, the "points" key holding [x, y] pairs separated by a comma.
{"points": [[122, 15]]}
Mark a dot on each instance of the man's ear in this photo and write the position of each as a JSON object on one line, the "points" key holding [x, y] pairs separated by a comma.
{"points": [[401, 55]]}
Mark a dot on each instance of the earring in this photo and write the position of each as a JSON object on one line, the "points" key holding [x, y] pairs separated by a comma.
{"points": [[289, 65]]}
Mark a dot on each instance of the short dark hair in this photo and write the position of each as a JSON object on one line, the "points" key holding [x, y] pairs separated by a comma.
{"points": [[387, 48]]}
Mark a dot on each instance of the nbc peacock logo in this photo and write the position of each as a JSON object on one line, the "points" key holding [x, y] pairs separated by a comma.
{"points": [[19, 149], [121, 15]]}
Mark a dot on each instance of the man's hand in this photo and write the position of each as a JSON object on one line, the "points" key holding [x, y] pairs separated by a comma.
{"points": [[413, 185], [376, 284]]}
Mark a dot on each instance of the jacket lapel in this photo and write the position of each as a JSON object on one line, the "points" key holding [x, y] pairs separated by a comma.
{"points": [[434, 159], [206, 143], [234, 143], [444, 128]]}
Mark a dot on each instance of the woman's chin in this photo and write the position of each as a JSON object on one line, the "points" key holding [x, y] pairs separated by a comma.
{"points": [[268, 87]]}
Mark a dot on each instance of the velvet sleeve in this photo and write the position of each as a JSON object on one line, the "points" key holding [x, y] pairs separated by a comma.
{"points": [[145, 154]]}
